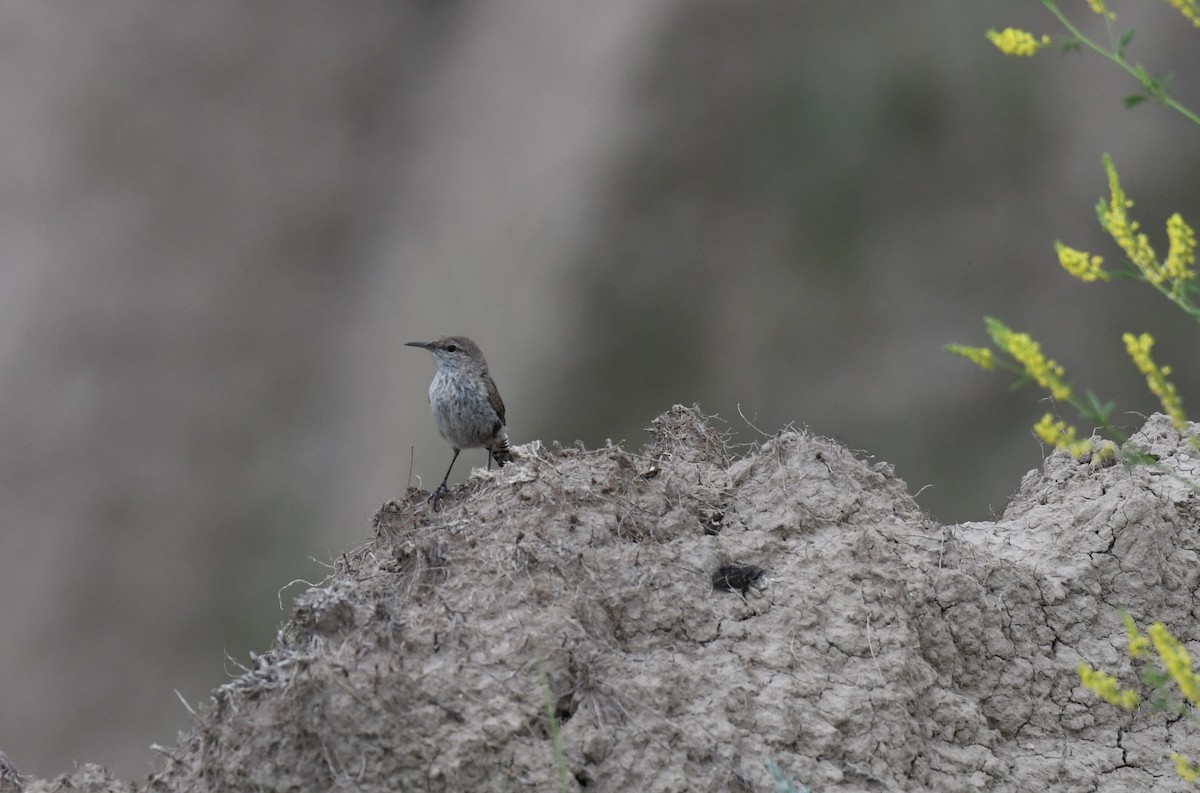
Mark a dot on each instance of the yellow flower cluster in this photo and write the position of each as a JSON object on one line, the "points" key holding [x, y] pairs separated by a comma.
{"points": [[1011, 41], [980, 356], [1176, 269], [1186, 769], [1139, 645], [1098, 7], [1061, 436], [1176, 661], [1105, 686], [1116, 221], [1189, 8], [1138, 348], [1182, 252], [1027, 352], [1107, 450], [1079, 264], [1114, 217]]}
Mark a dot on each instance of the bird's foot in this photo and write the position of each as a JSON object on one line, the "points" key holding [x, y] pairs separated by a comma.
{"points": [[436, 495]]}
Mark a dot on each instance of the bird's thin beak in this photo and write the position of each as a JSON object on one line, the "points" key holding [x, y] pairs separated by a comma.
{"points": [[425, 344]]}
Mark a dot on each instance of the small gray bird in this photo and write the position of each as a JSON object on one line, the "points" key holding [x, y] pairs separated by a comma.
{"points": [[466, 406]]}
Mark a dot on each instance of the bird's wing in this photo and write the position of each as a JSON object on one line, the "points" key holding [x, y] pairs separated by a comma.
{"points": [[494, 398]]}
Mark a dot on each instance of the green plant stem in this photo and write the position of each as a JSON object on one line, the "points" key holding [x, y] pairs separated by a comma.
{"points": [[1178, 297], [1082, 408], [1155, 93]]}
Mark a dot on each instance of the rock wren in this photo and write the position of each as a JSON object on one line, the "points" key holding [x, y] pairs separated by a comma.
{"points": [[466, 406]]}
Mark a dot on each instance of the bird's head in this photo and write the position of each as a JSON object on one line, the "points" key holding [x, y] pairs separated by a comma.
{"points": [[453, 352]]}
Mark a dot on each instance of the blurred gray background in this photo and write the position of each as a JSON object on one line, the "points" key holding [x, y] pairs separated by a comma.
{"points": [[221, 220]]}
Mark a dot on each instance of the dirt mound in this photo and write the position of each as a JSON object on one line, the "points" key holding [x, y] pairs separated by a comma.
{"points": [[688, 615]]}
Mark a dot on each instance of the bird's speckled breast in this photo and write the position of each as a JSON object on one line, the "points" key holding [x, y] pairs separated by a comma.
{"points": [[464, 416]]}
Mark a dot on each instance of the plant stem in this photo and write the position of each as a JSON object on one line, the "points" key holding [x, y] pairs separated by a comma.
{"points": [[1152, 91]]}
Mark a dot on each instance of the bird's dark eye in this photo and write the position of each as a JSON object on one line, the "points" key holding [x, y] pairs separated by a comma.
{"points": [[451, 348]]}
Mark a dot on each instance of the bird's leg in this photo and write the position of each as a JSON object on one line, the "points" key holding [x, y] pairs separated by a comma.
{"points": [[442, 489]]}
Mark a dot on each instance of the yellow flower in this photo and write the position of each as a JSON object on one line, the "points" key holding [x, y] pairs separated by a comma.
{"points": [[1138, 348], [1105, 686], [1114, 217], [1061, 436], [1027, 352], [1107, 450], [1182, 253], [1080, 264], [1139, 645], [1189, 8], [1186, 769], [1124, 231], [1098, 7], [980, 356], [1176, 661], [1011, 41]]}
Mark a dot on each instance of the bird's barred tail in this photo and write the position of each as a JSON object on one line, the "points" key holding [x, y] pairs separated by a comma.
{"points": [[500, 451]]}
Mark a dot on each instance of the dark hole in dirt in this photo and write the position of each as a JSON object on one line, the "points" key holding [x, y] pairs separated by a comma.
{"points": [[738, 578]]}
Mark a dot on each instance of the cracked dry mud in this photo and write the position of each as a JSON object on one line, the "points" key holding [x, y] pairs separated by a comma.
{"points": [[882, 651]]}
